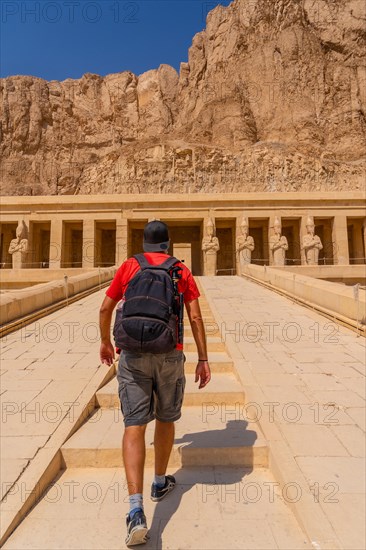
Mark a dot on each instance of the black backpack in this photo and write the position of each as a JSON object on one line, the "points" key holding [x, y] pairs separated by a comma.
{"points": [[147, 320]]}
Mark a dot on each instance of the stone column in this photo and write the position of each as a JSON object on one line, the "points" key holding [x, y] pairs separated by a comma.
{"points": [[340, 240], [271, 233], [55, 243], [358, 246], [205, 220], [364, 238], [88, 255], [121, 240], [303, 232], [6, 258], [237, 233]]}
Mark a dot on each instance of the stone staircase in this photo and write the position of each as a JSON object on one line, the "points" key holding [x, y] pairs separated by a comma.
{"points": [[208, 434], [215, 452]]}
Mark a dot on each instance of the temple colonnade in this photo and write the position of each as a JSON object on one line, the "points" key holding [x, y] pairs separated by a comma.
{"points": [[212, 233]]}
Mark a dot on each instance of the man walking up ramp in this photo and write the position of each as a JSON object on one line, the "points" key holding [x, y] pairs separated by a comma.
{"points": [[151, 288]]}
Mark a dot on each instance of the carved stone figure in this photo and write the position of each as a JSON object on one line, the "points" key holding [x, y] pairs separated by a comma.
{"points": [[278, 244], [311, 244], [210, 247], [18, 247], [244, 244]]}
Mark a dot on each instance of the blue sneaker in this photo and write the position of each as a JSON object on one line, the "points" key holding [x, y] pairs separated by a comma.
{"points": [[136, 528], [158, 493]]}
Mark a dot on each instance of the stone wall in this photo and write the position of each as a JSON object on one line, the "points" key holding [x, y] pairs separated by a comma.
{"points": [[331, 297], [19, 303]]}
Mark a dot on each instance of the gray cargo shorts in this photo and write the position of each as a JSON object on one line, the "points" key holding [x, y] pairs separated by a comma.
{"points": [[151, 386]]}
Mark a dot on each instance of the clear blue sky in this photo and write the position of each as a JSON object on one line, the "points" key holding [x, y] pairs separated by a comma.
{"points": [[62, 39]]}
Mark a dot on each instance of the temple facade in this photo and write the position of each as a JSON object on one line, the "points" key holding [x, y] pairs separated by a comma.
{"points": [[212, 233]]}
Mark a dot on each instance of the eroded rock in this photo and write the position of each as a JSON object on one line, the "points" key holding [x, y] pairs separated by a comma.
{"points": [[272, 98]]}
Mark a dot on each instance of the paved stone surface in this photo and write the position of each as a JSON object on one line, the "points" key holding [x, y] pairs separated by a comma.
{"points": [[311, 373], [210, 508], [45, 367]]}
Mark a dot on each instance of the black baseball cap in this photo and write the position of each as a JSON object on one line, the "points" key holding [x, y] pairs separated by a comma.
{"points": [[156, 237]]}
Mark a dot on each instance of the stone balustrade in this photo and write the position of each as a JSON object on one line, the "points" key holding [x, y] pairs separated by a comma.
{"points": [[15, 304]]}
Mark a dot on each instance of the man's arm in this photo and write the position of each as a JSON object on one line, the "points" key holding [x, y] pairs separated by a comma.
{"points": [[105, 317], [203, 373]]}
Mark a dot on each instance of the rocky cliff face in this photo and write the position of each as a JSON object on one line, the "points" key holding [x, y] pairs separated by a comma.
{"points": [[273, 98]]}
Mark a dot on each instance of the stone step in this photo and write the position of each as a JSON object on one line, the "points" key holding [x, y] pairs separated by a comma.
{"points": [[223, 388], [203, 437], [212, 329], [210, 508], [214, 343], [206, 313], [209, 323], [220, 361]]}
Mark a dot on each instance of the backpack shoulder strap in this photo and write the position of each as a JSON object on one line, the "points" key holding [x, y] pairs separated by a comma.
{"points": [[142, 261], [166, 266], [169, 263]]}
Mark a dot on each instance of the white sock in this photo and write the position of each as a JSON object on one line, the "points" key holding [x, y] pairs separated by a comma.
{"points": [[136, 501], [159, 480]]}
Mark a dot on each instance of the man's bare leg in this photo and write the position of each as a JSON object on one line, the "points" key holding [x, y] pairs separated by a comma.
{"points": [[163, 443], [133, 448]]}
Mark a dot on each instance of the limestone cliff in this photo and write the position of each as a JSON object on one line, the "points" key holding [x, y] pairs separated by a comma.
{"points": [[273, 98]]}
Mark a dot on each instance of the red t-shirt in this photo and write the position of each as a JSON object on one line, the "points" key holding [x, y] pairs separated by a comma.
{"points": [[129, 268]]}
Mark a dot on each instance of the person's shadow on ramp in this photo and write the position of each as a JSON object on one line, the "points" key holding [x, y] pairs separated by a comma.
{"points": [[239, 441]]}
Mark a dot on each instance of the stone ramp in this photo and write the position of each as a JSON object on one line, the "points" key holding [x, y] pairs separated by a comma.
{"points": [[210, 508], [220, 460], [306, 376], [49, 375]]}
